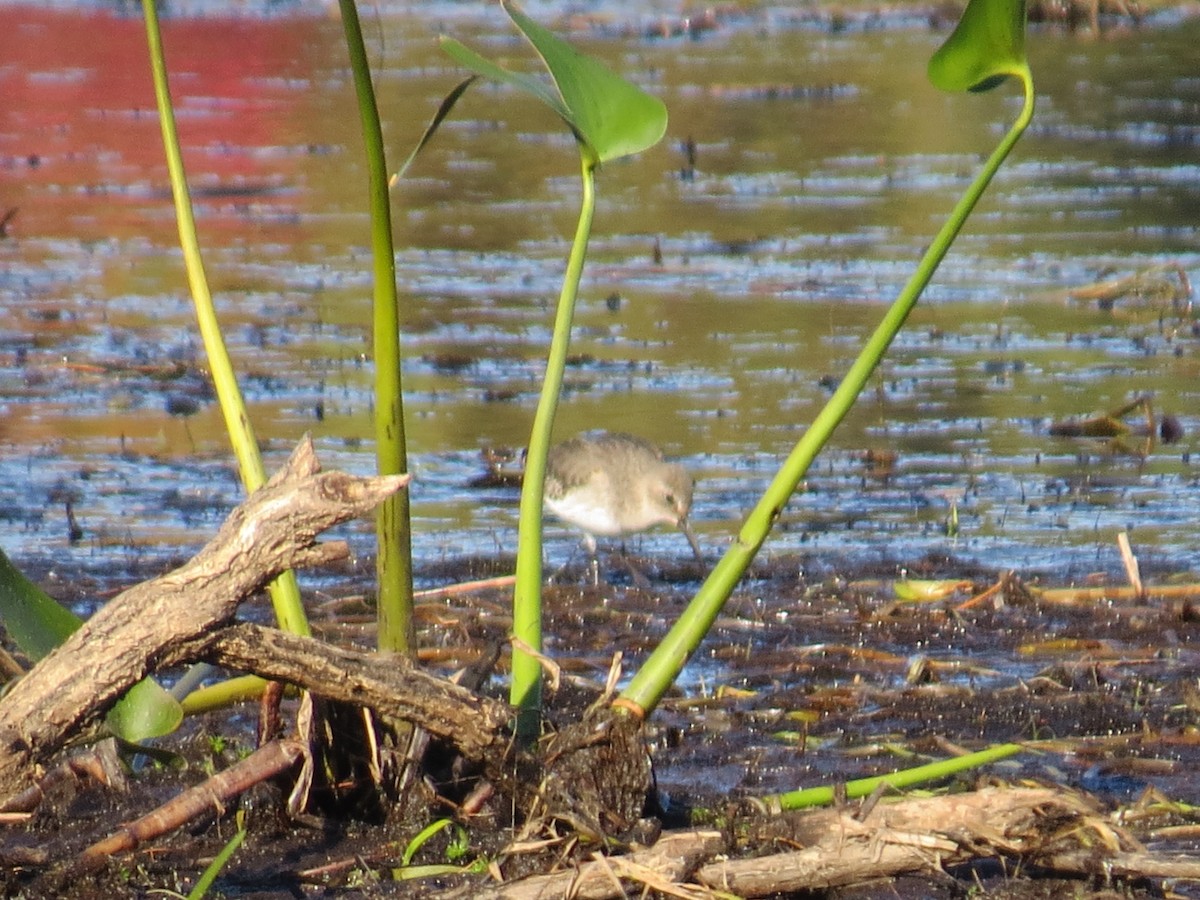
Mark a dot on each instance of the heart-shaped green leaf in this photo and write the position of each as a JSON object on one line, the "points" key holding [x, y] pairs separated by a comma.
{"points": [[987, 46], [609, 116], [488, 69], [615, 117], [37, 624]]}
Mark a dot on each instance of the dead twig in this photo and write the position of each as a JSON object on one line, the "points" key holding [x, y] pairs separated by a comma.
{"points": [[672, 860], [212, 796]]}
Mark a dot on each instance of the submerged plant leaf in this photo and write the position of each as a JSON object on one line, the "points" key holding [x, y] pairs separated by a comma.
{"points": [[609, 116], [987, 46], [37, 623]]}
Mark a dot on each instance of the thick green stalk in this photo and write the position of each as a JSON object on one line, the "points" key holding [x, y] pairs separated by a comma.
{"points": [[393, 564], [669, 658], [905, 778], [285, 593], [526, 692]]}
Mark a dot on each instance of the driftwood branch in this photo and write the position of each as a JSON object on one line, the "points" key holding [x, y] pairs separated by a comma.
{"points": [[390, 685], [273, 530], [665, 866], [911, 836], [922, 836]]}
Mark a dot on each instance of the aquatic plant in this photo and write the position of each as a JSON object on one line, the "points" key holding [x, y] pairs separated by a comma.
{"points": [[37, 623], [393, 561], [285, 592], [610, 118], [986, 48]]}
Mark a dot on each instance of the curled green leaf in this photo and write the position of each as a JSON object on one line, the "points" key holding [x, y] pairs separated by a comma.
{"points": [[987, 46], [609, 116]]}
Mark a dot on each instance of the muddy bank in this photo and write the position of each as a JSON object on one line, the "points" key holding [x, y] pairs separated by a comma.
{"points": [[802, 683]]}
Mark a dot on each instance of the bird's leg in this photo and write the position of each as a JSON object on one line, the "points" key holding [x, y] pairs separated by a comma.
{"points": [[589, 544], [640, 581], [557, 574]]}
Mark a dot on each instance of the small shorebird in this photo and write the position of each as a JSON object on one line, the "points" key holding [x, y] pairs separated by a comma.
{"points": [[611, 484]]}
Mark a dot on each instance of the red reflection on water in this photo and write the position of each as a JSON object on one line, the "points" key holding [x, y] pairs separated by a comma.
{"points": [[77, 116]]}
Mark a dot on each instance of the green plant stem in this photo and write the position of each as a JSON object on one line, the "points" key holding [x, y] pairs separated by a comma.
{"points": [[223, 694], [285, 592], [526, 692], [905, 778], [668, 659], [214, 869], [393, 564]]}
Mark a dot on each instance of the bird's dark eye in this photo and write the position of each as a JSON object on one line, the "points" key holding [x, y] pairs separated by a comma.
{"points": [[670, 498]]}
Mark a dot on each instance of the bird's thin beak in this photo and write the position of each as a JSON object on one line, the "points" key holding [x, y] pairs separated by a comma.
{"points": [[691, 538]]}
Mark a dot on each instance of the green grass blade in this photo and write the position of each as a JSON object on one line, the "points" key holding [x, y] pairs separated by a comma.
{"points": [[669, 657], [905, 778], [205, 882], [285, 592], [443, 110]]}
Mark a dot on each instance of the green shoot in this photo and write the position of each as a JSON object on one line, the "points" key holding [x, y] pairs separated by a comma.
{"points": [[205, 882], [905, 778], [285, 592], [610, 118], [987, 46], [393, 564]]}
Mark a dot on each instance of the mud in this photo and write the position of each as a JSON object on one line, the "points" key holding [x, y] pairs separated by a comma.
{"points": [[804, 681]]}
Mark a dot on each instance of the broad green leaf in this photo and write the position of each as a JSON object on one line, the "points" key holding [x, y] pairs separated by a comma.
{"points": [[35, 621], [609, 116], [146, 711], [987, 46], [488, 69], [615, 117], [38, 624]]}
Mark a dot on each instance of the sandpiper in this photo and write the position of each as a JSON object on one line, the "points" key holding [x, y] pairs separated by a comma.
{"points": [[611, 484]]}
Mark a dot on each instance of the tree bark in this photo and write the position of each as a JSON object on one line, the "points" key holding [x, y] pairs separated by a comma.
{"points": [[389, 684]]}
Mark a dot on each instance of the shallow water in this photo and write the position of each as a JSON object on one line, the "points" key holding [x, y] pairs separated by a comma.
{"points": [[818, 181]]}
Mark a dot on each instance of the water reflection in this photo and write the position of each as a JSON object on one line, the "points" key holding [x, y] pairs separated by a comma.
{"points": [[717, 309]]}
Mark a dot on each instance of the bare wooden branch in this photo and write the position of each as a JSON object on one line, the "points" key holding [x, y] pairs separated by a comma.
{"points": [[921, 835], [391, 685], [273, 530], [1126, 865]]}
